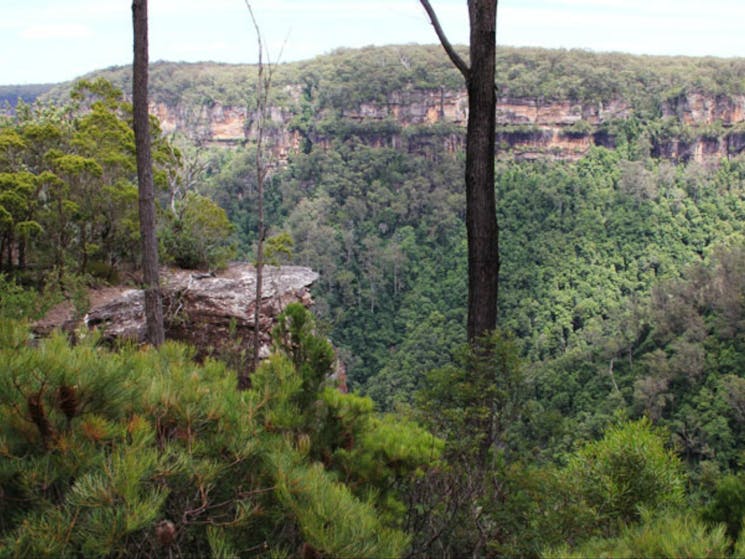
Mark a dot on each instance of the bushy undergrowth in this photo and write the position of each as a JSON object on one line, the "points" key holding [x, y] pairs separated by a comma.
{"points": [[143, 453], [669, 536]]}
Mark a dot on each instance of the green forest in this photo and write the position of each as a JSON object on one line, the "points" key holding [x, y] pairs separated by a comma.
{"points": [[607, 418]]}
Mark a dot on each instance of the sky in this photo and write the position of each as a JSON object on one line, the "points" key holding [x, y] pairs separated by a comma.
{"points": [[43, 41]]}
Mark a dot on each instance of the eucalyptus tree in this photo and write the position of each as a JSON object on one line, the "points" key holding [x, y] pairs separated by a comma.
{"points": [[481, 216], [153, 300]]}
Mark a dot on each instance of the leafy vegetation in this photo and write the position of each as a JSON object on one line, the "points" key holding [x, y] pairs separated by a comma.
{"points": [[606, 419], [670, 536], [11, 94], [68, 193], [344, 78], [141, 454]]}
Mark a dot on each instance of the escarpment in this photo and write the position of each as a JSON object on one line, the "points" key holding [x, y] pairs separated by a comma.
{"points": [[552, 104]]}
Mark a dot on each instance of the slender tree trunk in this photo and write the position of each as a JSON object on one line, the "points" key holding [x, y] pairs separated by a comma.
{"points": [[260, 175], [481, 213], [481, 216], [259, 267], [22, 244], [153, 302], [11, 239], [4, 242], [83, 243], [263, 85]]}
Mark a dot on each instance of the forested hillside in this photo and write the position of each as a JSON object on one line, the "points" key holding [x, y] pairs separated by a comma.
{"points": [[614, 390], [550, 104], [10, 94]]}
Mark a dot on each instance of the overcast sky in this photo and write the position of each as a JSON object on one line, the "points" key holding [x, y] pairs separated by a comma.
{"points": [[57, 40]]}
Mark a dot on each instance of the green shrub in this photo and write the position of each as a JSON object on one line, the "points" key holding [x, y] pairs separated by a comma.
{"points": [[16, 302], [728, 505], [626, 472], [672, 536], [145, 453], [199, 236]]}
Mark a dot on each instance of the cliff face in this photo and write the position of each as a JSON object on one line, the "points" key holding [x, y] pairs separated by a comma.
{"points": [[527, 128], [228, 125], [553, 103], [696, 108]]}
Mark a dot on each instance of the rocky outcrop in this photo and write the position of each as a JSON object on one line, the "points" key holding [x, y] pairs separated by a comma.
{"points": [[527, 128], [214, 313], [699, 109]]}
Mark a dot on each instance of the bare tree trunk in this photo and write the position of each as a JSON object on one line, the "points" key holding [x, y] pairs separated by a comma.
{"points": [[259, 262], [83, 244], [263, 85], [153, 301], [6, 246], [22, 244], [481, 213]]}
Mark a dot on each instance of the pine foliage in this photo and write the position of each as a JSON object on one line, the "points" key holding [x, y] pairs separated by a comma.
{"points": [[146, 454], [671, 536]]}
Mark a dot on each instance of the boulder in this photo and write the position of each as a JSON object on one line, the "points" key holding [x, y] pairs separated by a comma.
{"points": [[214, 312]]}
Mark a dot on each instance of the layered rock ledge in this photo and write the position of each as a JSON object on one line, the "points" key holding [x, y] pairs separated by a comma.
{"points": [[212, 312]]}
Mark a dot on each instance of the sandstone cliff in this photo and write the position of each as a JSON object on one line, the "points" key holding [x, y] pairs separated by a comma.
{"points": [[527, 128], [552, 103]]}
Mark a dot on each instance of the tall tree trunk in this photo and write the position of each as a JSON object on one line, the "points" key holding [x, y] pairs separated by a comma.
{"points": [[11, 240], [481, 216], [481, 213], [262, 90], [259, 264], [22, 244], [263, 86], [83, 244], [153, 301], [243, 381], [4, 243]]}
